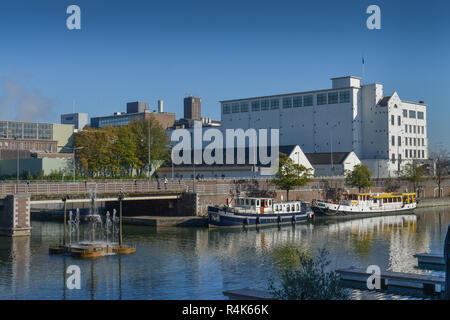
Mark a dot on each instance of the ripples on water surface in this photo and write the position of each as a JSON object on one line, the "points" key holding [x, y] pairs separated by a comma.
{"points": [[186, 263]]}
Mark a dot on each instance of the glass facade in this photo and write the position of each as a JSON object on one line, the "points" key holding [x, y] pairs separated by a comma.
{"points": [[298, 101], [308, 101], [264, 105], [26, 130], [255, 106], [275, 104], [321, 99], [244, 107], [287, 102], [344, 96], [332, 98]]}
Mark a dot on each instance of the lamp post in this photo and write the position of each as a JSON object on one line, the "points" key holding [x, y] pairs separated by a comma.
{"points": [[16, 138], [331, 147], [398, 152], [149, 145]]}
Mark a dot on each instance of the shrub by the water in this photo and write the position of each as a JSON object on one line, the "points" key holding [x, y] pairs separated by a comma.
{"points": [[307, 279]]}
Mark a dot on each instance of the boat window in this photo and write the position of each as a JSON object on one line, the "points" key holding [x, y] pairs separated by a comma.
{"points": [[253, 202], [293, 207], [298, 207], [270, 202], [288, 208], [257, 203], [375, 200]]}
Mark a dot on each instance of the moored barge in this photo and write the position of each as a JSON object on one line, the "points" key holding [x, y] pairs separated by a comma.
{"points": [[254, 212]]}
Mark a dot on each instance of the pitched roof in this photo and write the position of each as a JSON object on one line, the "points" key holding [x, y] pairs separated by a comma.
{"points": [[383, 102], [325, 158]]}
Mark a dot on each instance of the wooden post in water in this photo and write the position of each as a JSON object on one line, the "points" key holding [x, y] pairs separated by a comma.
{"points": [[120, 218], [447, 263], [65, 220], [92, 222]]}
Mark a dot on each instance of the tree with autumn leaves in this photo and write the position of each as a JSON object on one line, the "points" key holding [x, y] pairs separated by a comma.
{"points": [[118, 152]]}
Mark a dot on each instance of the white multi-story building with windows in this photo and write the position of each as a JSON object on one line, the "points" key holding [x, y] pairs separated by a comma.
{"points": [[383, 131]]}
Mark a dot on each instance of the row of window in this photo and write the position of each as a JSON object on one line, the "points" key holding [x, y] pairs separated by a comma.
{"points": [[26, 130], [287, 102], [411, 154], [408, 141], [413, 114], [414, 129], [414, 153], [27, 145], [287, 207]]}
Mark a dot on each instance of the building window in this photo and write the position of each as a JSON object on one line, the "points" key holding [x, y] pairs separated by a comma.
{"points": [[344, 96], [244, 107], [264, 104], [406, 141], [275, 104], [321, 99], [419, 115], [332, 98], [287, 102], [235, 108], [297, 102], [406, 153], [392, 120], [45, 131], [308, 101], [399, 120], [423, 154], [255, 105], [393, 140], [406, 128], [393, 158], [414, 129], [399, 141], [405, 113], [412, 114]]}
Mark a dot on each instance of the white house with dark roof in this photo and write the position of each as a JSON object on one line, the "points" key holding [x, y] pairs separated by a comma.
{"points": [[238, 171], [332, 164], [382, 131]]}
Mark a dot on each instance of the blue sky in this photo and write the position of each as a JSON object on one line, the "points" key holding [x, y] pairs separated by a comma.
{"points": [[150, 50]]}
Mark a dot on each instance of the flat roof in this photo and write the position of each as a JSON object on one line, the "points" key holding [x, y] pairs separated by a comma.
{"points": [[287, 94], [345, 77]]}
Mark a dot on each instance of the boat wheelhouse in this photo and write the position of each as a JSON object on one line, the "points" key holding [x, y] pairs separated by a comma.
{"points": [[254, 211], [366, 203]]}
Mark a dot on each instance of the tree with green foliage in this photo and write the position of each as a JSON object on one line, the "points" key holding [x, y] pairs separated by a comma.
{"points": [[413, 172], [359, 177], [309, 279], [291, 174], [120, 151]]}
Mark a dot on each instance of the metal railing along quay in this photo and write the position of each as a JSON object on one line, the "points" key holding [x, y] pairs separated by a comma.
{"points": [[68, 188]]}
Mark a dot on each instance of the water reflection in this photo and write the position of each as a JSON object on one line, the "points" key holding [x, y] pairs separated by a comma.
{"points": [[184, 263]]}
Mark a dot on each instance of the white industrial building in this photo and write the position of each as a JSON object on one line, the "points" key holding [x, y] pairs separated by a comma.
{"points": [[384, 132]]}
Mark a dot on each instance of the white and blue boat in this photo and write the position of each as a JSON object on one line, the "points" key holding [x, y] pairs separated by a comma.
{"points": [[258, 211]]}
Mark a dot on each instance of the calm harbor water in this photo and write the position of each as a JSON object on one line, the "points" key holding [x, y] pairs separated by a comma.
{"points": [[197, 263]]}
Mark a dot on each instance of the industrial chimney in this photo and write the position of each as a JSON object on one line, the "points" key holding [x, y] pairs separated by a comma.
{"points": [[160, 106]]}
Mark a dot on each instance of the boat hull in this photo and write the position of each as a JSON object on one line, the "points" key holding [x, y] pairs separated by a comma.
{"points": [[326, 212], [218, 218]]}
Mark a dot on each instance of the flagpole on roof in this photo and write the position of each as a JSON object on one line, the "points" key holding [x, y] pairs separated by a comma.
{"points": [[362, 69]]}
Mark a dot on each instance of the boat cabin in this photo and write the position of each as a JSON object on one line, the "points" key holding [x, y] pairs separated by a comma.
{"points": [[265, 205], [379, 198]]}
